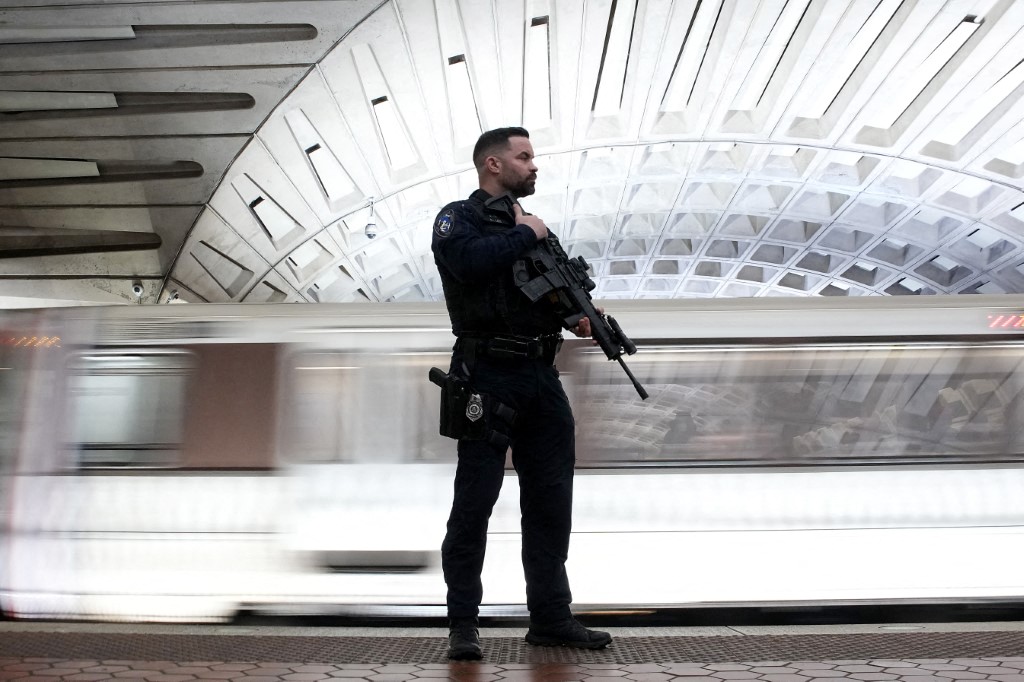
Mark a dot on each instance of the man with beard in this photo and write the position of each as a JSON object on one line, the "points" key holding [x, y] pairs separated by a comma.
{"points": [[505, 350]]}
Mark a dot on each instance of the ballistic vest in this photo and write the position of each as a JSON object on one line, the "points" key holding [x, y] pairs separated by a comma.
{"points": [[495, 306]]}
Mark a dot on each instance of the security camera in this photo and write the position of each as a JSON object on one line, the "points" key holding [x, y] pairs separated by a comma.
{"points": [[371, 225], [138, 289]]}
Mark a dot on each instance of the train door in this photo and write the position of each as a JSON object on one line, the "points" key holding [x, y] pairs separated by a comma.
{"points": [[371, 476], [35, 567], [19, 344]]}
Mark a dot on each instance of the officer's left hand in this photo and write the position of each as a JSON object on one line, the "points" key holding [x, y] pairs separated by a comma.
{"points": [[582, 329]]}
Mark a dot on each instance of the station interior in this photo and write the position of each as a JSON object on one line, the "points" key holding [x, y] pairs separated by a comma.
{"points": [[819, 173]]}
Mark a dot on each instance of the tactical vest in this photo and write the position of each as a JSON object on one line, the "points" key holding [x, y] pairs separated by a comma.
{"points": [[496, 306]]}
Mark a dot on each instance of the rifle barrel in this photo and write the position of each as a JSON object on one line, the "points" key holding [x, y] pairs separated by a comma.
{"points": [[636, 384]]}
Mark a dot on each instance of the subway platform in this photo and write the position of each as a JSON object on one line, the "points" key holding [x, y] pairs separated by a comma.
{"points": [[925, 652]]}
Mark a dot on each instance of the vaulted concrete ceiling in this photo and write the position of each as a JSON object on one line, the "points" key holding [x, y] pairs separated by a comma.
{"points": [[686, 147]]}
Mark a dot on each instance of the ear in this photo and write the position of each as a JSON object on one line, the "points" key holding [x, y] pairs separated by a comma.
{"points": [[492, 164]]}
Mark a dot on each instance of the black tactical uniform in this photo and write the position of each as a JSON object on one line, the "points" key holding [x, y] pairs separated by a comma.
{"points": [[506, 345]]}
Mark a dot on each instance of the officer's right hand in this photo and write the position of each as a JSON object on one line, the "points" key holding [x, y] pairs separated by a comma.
{"points": [[531, 221]]}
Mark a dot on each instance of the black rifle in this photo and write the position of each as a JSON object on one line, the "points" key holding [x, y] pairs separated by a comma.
{"points": [[547, 271]]}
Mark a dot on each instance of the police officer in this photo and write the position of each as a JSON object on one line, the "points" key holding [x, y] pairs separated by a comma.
{"points": [[505, 347]]}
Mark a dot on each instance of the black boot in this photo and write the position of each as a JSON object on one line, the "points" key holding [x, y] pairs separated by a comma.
{"points": [[569, 633], [464, 640]]}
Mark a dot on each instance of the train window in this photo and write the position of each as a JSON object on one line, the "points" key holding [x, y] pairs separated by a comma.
{"points": [[363, 407], [128, 408], [804, 404], [315, 419]]}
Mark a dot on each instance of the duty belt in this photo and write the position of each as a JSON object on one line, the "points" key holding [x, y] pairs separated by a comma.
{"points": [[510, 347]]}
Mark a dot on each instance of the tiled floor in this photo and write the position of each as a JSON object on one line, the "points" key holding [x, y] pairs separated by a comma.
{"points": [[862, 670], [85, 652]]}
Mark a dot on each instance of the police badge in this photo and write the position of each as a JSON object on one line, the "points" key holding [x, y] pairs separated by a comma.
{"points": [[445, 223], [474, 408]]}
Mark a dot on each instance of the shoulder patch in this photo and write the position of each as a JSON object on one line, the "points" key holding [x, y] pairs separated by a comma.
{"points": [[445, 223]]}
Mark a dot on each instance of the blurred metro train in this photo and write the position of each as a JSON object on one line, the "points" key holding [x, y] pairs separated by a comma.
{"points": [[186, 462]]}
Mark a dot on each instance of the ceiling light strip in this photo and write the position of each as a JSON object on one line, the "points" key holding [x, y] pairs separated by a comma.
{"points": [[978, 119], [672, 83], [889, 109], [931, 76], [391, 128], [828, 99], [331, 177], [29, 100], [276, 223], [194, 35], [20, 242], [771, 53], [140, 36], [465, 116], [14, 169], [393, 133], [38, 105], [309, 259], [464, 110], [230, 275], [10, 35], [537, 110], [689, 71], [36, 172], [618, 42]]}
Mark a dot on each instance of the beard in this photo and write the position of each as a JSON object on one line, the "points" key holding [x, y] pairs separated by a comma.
{"points": [[520, 187]]}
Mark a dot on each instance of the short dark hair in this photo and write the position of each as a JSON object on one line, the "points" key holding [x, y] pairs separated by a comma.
{"points": [[490, 141]]}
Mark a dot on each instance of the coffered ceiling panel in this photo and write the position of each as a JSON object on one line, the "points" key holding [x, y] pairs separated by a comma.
{"points": [[725, 148]]}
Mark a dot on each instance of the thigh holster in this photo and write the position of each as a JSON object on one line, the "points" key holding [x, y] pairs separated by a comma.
{"points": [[468, 415]]}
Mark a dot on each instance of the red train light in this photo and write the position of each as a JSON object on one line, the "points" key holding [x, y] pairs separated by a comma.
{"points": [[30, 341], [1006, 321]]}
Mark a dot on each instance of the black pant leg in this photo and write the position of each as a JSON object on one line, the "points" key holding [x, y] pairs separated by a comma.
{"points": [[478, 479], [544, 455]]}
